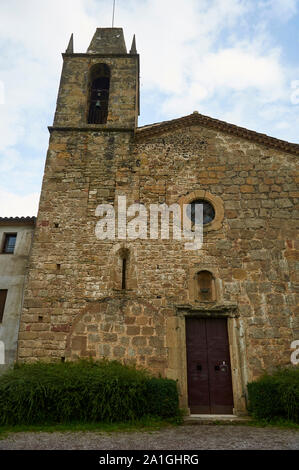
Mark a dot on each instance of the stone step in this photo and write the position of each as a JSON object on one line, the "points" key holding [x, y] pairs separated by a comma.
{"points": [[215, 419]]}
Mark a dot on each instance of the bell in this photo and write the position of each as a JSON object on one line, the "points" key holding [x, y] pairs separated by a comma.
{"points": [[98, 104]]}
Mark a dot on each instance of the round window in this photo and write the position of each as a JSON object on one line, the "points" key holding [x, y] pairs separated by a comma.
{"points": [[208, 211]]}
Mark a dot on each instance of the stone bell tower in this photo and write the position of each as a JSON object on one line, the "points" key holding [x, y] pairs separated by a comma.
{"points": [[90, 151], [107, 74]]}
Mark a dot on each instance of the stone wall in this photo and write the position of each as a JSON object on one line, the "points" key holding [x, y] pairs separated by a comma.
{"points": [[72, 102], [120, 327], [75, 304], [253, 253]]}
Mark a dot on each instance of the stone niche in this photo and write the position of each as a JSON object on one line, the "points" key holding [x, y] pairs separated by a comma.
{"points": [[204, 285]]}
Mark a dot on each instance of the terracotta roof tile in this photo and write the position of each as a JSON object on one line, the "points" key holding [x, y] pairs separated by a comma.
{"points": [[17, 220]]}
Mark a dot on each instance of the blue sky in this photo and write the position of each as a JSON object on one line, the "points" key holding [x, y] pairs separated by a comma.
{"points": [[235, 60]]}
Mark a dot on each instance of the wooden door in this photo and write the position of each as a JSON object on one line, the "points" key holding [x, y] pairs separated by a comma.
{"points": [[208, 366]]}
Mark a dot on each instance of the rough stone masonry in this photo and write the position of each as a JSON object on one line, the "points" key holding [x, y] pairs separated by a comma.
{"points": [[75, 302]]}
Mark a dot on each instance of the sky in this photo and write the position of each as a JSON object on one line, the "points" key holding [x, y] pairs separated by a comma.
{"points": [[234, 60]]}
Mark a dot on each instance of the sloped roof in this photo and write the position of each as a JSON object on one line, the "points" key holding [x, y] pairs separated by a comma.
{"points": [[206, 121], [17, 220]]}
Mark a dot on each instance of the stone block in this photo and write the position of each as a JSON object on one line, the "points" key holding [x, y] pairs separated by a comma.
{"points": [[133, 330], [139, 341]]}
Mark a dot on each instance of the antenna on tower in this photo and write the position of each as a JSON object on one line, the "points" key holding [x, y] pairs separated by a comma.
{"points": [[113, 13]]}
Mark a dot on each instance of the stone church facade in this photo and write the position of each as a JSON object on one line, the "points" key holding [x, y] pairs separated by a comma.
{"points": [[213, 318]]}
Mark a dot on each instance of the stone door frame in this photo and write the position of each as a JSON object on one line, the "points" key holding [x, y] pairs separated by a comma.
{"points": [[177, 349]]}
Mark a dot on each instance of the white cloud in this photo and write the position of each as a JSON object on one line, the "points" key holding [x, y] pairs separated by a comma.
{"points": [[12, 205], [230, 70], [280, 9], [185, 58], [214, 56], [9, 160], [283, 125], [32, 36], [239, 69], [172, 36]]}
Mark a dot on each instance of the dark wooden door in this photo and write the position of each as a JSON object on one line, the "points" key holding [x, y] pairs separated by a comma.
{"points": [[208, 366]]}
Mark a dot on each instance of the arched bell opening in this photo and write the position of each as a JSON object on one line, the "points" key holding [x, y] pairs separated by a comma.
{"points": [[98, 94]]}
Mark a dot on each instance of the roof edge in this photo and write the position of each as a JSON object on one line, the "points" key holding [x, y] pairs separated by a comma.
{"points": [[17, 221], [206, 121]]}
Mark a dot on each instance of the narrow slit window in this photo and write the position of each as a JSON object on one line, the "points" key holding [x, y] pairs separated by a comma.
{"points": [[124, 273]]}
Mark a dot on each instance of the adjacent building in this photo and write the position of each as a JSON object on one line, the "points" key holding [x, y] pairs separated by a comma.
{"points": [[16, 235]]}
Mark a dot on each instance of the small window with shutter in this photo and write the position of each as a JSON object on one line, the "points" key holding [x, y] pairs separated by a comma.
{"points": [[9, 243], [3, 295]]}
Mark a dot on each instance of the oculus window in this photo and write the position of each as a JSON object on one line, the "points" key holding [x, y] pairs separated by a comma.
{"points": [[208, 211]]}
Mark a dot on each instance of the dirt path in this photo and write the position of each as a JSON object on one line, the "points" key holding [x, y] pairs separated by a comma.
{"points": [[186, 437]]}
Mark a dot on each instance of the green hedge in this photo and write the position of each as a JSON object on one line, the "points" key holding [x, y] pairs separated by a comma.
{"points": [[275, 396], [83, 391]]}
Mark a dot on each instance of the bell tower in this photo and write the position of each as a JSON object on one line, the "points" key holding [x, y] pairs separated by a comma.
{"points": [[101, 86], [89, 162]]}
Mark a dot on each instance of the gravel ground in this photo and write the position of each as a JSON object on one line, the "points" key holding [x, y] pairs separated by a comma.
{"points": [[188, 437]]}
